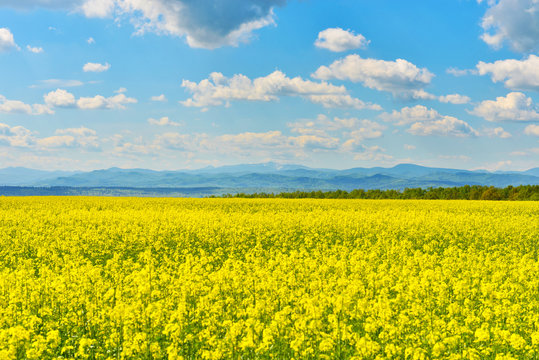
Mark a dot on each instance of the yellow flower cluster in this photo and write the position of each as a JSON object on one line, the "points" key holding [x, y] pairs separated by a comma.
{"points": [[119, 278]]}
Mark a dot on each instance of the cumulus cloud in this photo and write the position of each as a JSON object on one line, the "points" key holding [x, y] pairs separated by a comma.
{"points": [[59, 98], [366, 129], [98, 8], [164, 121], [204, 23], [497, 132], [100, 102], [455, 99], [16, 136], [276, 139], [63, 98], [351, 127], [337, 40], [16, 106], [424, 95], [90, 41], [399, 77], [95, 67], [532, 130], [342, 101], [445, 126], [34, 49], [7, 42], [408, 115], [515, 74], [515, 22], [177, 141], [218, 90], [70, 138], [427, 122], [159, 98], [514, 107]]}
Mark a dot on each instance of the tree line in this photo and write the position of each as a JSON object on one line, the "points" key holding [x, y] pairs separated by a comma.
{"points": [[467, 192]]}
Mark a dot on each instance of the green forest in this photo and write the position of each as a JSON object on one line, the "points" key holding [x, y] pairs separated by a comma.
{"points": [[467, 192]]}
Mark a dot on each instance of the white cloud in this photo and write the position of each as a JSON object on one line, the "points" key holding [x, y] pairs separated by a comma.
{"points": [[218, 89], [342, 101], [95, 67], [69, 138], [120, 90], [421, 95], [57, 141], [59, 98], [497, 132], [35, 50], [455, 99], [100, 102], [98, 8], [337, 40], [532, 130], [7, 42], [314, 142], [160, 98], [514, 107], [205, 23], [196, 20], [408, 115], [135, 148], [273, 143], [16, 136], [164, 121], [63, 98], [429, 122], [367, 129], [409, 147], [516, 74], [90, 41], [452, 98], [16, 106], [177, 141], [399, 77], [445, 126], [513, 21]]}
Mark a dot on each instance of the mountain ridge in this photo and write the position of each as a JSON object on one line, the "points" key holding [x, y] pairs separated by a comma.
{"points": [[270, 176]]}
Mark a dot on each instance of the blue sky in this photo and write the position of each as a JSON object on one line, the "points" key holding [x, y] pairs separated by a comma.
{"points": [[174, 84]]}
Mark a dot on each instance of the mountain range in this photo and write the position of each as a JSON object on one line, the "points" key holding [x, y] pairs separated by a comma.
{"points": [[268, 177]]}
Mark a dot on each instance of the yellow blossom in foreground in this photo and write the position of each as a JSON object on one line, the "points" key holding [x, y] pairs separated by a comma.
{"points": [[126, 278]]}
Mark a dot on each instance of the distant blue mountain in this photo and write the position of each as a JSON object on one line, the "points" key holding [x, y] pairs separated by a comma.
{"points": [[20, 176], [271, 177]]}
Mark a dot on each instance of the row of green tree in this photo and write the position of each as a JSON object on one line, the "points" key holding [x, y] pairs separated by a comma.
{"points": [[467, 192]]}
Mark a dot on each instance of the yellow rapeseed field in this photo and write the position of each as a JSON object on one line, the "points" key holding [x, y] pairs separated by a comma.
{"points": [[122, 278]]}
